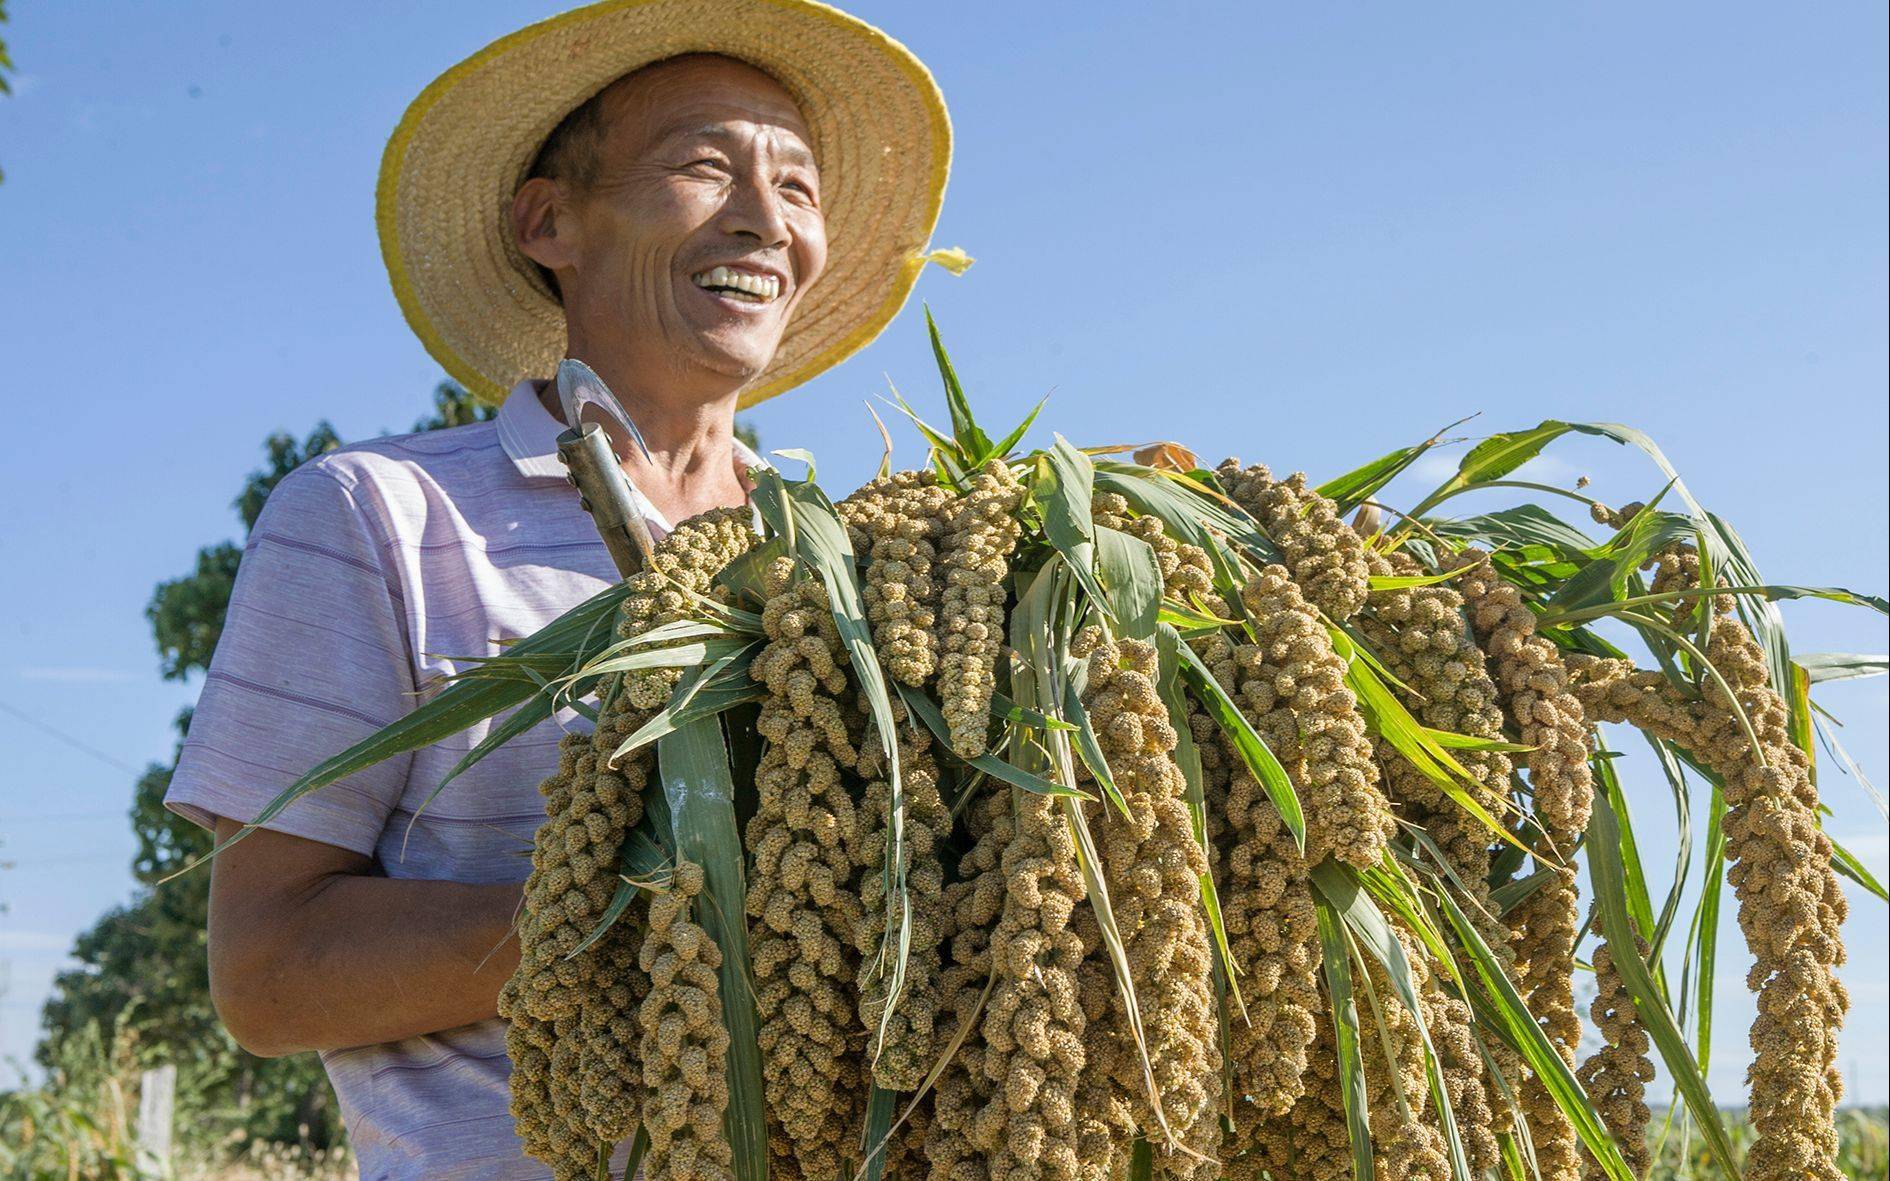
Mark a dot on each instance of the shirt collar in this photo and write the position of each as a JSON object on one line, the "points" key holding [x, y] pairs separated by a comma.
{"points": [[529, 435]]}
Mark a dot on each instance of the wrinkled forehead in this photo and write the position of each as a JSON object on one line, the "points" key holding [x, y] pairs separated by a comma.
{"points": [[705, 94]]}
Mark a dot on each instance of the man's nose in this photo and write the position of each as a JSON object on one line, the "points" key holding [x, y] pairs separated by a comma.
{"points": [[755, 209]]}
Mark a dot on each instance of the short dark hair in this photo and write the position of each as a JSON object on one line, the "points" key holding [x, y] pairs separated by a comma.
{"points": [[571, 154]]}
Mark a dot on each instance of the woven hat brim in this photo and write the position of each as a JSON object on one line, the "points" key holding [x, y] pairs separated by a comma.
{"points": [[880, 130]]}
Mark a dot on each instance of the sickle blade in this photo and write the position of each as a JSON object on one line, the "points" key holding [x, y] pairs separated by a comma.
{"points": [[579, 386]]}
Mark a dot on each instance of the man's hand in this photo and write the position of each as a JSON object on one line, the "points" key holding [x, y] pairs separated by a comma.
{"points": [[309, 951]]}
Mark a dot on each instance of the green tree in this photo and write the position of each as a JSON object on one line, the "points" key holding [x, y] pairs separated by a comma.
{"points": [[142, 967], [6, 63]]}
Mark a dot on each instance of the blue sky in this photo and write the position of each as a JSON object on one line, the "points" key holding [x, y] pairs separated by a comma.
{"points": [[1301, 234]]}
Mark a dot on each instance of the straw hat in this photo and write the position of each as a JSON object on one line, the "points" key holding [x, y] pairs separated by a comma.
{"points": [[880, 132]]}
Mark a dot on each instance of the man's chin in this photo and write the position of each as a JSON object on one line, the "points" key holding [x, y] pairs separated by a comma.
{"points": [[738, 359]]}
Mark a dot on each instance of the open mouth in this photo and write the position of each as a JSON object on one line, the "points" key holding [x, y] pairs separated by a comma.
{"points": [[738, 285]]}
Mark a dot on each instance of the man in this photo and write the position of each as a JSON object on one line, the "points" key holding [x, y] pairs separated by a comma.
{"points": [[704, 229]]}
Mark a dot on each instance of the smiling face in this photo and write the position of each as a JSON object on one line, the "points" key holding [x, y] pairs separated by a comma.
{"points": [[685, 239]]}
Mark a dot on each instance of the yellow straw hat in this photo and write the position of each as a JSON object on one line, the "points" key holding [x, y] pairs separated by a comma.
{"points": [[482, 309]]}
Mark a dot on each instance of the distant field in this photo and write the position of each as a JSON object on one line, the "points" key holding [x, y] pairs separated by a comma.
{"points": [[1863, 1153]]}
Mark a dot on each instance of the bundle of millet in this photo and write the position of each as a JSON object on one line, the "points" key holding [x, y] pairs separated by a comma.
{"points": [[1310, 1140], [981, 530], [1033, 1026], [1616, 1075], [961, 1098], [1273, 937], [681, 567], [896, 525], [589, 805], [1326, 556], [1533, 685], [684, 1048], [574, 864], [1407, 1141], [1791, 906], [1153, 866], [1292, 688], [1290, 683], [1460, 1062], [1421, 635], [805, 846], [610, 1092], [546, 1111]]}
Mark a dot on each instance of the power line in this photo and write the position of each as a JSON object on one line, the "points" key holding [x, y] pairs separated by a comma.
{"points": [[78, 744]]}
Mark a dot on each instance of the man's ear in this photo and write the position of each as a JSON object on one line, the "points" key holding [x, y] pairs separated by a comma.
{"points": [[542, 224]]}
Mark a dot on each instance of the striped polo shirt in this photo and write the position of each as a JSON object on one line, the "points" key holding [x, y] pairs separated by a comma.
{"points": [[372, 571]]}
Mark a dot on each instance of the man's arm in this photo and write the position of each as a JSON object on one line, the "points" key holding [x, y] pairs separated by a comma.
{"points": [[308, 951]]}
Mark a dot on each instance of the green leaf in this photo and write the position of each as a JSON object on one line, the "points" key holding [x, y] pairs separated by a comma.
{"points": [[1500, 1003], [1132, 581], [567, 642], [1389, 719], [1501, 454], [950, 460], [693, 654], [1846, 863], [1725, 554], [928, 712], [1608, 874], [535, 709], [1842, 666], [1360, 484], [1004, 446], [1089, 749], [1061, 491], [1385, 582], [641, 860], [1337, 960], [1373, 932], [700, 794], [973, 443], [1004, 709], [880, 1104], [701, 693], [1605, 579], [1247, 742], [1184, 514], [1706, 923], [1640, 905], [799, 455], [1523, 527], [1451, 740]]}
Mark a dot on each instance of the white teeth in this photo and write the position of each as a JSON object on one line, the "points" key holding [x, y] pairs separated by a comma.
{"points": [[761, 287]]}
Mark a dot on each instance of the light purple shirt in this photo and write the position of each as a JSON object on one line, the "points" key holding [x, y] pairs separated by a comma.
{"points": [[372, 570]]}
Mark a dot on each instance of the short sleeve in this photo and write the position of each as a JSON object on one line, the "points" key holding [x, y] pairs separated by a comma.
{"points": [[313, 658]]}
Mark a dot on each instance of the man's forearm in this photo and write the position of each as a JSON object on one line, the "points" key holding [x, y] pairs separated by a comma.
{"points": [[380, 959], [325, 960]]}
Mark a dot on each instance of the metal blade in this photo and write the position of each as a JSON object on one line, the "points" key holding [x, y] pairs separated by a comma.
{"points": [[579, 386]]}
